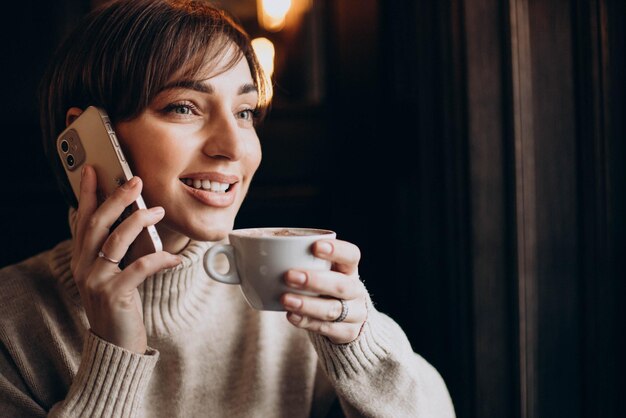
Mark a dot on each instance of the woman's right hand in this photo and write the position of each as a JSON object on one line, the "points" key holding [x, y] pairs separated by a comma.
{"points": [[109, 294]]}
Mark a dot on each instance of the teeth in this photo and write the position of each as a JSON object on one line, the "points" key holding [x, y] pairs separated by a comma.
{"points": [[213, 186]]}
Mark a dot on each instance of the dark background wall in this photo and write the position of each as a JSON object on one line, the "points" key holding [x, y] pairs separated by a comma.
{"points": [[32, 211], [473, 149]]}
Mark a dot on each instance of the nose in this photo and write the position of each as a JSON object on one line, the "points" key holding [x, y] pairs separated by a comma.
{"points": [[223, 139]]}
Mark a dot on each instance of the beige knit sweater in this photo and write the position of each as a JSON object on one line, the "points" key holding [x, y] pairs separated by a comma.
{"points": [[210, 355]]}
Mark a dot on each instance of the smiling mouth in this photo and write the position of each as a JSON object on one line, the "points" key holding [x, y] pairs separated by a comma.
{"points": [[207, 185]]}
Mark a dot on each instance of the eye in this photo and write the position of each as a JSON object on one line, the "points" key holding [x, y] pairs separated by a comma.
{"points": [[181, 109], [248, 116]]}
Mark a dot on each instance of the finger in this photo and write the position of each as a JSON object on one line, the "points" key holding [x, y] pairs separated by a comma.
{"points": [[113, 207], [344, 255], [337, 332], [324, 309], [118, 242], [327, 283], [137, 272], [98, 225], [87, 203]]}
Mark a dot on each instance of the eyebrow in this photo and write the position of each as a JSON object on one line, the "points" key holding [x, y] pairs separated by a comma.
{"points": [[206, 88]]}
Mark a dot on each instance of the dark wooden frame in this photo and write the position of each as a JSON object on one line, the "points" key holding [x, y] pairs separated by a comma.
{"points": [[520, 119]]}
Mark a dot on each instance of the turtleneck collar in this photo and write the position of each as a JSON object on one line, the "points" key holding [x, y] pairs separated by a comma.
{"points": [[176, 298], [173, 299]]}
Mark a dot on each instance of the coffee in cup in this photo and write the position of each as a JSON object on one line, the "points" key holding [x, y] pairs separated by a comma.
{"points": [[260, 257]]}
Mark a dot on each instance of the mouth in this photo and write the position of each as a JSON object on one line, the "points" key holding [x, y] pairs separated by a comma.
{"points": [[211, 189], [208, 185]]}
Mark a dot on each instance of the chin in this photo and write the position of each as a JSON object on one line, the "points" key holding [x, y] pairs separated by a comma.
{"points": [[201, 228], [215, 230]]}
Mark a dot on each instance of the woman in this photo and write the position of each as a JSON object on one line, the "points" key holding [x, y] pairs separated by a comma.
{"points": [[81, 336]]}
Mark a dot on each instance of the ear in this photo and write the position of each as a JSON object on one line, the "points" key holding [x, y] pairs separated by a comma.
{"points": [[72, 114]]}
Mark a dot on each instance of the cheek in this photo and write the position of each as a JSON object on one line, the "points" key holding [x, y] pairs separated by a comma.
{"points": [[156, 159], [254, 157], [145, 164], [160, 159]]}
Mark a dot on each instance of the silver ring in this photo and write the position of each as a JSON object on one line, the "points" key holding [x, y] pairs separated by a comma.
{"points": [[109, 259], [344, 311]]}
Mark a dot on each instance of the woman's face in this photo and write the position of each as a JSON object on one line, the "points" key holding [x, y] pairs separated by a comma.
{"points": [[196, 149]]}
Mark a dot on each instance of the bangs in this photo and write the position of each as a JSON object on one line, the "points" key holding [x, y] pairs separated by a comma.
{"points": [[185, 45]]}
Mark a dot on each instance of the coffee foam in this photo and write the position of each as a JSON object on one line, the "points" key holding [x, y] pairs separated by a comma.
{"points": [[279, 232]]}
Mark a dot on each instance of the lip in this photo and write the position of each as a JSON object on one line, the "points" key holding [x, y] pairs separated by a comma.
{"points": [[209, 198]]}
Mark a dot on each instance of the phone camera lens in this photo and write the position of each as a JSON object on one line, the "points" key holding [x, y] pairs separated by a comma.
{"points": [[70, 160], [65, 147]]}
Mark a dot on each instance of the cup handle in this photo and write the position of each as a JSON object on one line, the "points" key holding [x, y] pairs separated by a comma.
{"points": [[231, 277]]}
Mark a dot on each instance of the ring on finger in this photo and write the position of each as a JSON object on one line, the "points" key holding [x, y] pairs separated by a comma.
{"points": [[344, 311], [102, 255]]}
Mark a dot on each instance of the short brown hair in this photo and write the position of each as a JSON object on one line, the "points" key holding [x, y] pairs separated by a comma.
{"points": [[122, 54]]}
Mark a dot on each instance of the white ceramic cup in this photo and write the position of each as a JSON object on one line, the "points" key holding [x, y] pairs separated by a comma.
{"points": [[260, 257]]}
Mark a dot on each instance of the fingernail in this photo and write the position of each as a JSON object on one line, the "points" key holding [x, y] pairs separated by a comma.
{"points": [[82, 171], [324, 248], [157, 210], [130, 183], [295, 318], [296, 278], [292, 302]]}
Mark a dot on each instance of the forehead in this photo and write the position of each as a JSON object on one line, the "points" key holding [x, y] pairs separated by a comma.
{"points": [[230, 63]]}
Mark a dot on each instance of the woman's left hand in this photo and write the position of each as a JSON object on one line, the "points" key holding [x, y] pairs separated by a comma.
{"points": [[320, 314]]}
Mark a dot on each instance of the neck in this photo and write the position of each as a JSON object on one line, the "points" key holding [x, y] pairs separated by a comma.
{"points": [[173, 242]]}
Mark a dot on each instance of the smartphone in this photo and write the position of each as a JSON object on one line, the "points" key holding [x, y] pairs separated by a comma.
{"points": [[91, 140]]}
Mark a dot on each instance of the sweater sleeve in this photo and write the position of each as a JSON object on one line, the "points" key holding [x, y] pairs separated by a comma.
{"points": [[110, 381], [379, 375]]}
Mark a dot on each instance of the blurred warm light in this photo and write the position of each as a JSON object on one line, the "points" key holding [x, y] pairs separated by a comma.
{"points": [[273, 13], [264, 50]]}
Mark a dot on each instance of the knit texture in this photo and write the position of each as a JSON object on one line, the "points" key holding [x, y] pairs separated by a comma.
{"points": [[210, 355]]}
